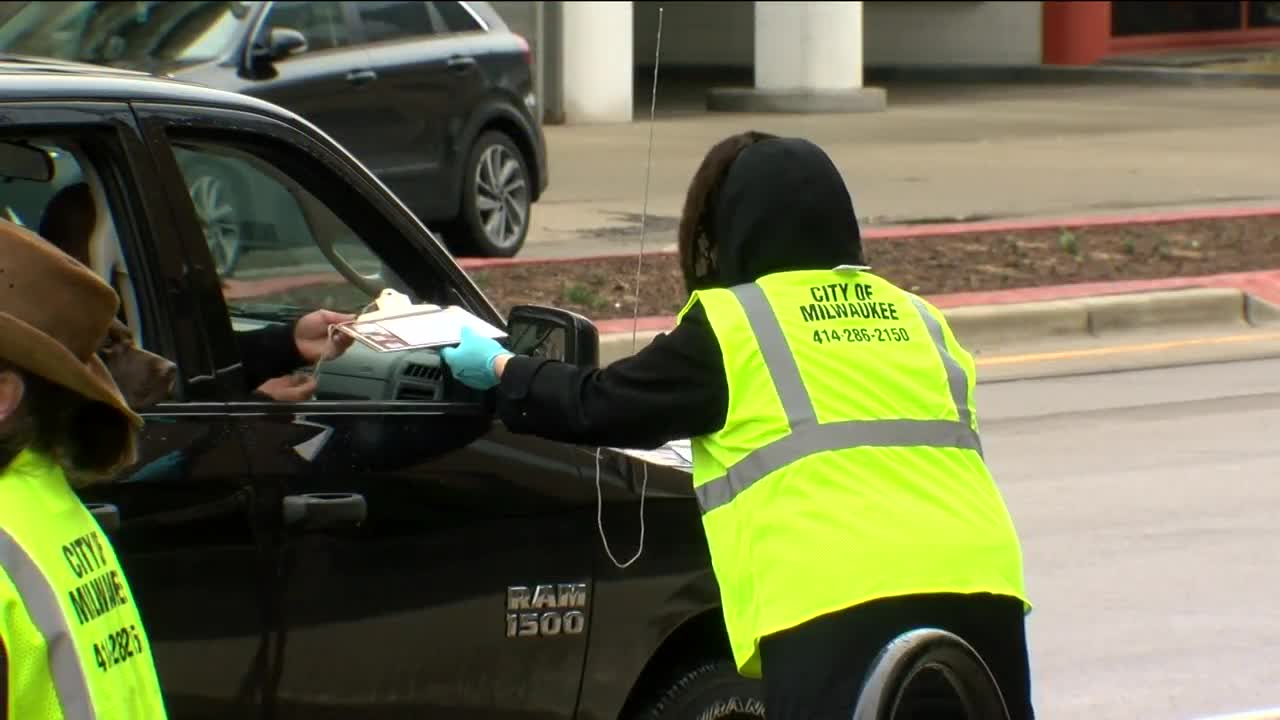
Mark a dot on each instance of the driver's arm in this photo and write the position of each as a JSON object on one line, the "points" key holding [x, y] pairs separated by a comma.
{"points": [[267, 353]]}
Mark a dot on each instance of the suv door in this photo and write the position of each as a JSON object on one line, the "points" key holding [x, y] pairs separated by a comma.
{"points": [[330, 82], [406, 517], [181, 519], [429, 83]]}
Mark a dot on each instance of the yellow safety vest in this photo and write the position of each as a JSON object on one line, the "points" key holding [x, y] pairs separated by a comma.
{"points": [[75, 641], [849, 467]]}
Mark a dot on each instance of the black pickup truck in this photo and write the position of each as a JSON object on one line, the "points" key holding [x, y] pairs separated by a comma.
{"points": [[386, 549]]}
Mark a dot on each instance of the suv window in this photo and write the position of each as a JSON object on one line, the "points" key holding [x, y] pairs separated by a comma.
{"points": [[456, 17], [323, 24], [394, 20]]}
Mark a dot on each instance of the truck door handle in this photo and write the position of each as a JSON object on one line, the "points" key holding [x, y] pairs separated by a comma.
{"points": [[107, 515], [361, 77], [461, 63], [324, 511]]}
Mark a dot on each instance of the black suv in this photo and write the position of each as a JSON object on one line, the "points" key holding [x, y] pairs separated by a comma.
{"points": [[388, 549], [435, 98]]}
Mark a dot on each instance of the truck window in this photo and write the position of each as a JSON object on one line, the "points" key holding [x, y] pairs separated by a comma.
{"points": [[293, 255]]}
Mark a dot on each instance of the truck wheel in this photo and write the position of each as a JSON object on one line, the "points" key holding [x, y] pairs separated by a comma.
{"points": [[714, 691]]}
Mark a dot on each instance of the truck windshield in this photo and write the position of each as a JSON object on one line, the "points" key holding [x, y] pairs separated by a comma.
{"points": [[131, 35]]}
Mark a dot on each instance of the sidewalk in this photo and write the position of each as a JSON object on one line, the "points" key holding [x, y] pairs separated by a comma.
{"points": [[939, 154]]}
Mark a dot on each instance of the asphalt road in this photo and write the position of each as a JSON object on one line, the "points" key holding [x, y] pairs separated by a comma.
{"points": [[1145, 501]]}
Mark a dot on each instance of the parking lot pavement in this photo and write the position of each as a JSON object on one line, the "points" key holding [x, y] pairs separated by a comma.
{"points": [[940, 153], [1145, 502]]}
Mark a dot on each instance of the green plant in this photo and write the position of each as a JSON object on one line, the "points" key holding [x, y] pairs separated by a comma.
{"points": [[1130, 246], [1067, 241], [579, 294]]}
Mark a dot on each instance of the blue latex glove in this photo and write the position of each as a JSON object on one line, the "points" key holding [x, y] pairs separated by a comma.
{"points": [[471, 362]]}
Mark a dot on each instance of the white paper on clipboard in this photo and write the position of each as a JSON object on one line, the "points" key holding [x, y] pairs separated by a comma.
{"points": [[425, 328]]}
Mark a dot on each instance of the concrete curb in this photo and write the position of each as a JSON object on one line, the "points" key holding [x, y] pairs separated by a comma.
{"points": [[986, 326], [1069, 75], [1262, 714], [1191, 308], [755, 100]]}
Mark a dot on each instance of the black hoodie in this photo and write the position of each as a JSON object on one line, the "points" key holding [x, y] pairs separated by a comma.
{"points": [[782, 207]]}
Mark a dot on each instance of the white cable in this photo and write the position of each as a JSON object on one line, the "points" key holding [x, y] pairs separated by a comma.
{"points": [[644, 486], [635, 314]]}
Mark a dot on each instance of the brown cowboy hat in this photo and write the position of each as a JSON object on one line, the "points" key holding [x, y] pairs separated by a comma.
{"points": [[54, 315]]}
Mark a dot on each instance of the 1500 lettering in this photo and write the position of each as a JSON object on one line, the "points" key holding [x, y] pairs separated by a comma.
{"points": [[546, 610], [880, 334]]}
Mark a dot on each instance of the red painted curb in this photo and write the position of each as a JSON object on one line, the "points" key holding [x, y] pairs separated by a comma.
{"points": [[898, 232], [1263, 284]]}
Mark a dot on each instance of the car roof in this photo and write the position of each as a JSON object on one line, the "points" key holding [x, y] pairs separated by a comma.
{"points": [[24, 78]]}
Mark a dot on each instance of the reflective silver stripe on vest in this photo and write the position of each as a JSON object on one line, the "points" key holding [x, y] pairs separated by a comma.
{"points": [[957, 381], [40, 600], [808, 437], [778, 359]]}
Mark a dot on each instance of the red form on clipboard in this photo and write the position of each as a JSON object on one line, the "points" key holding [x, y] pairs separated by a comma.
{"points": [[420, 327]]}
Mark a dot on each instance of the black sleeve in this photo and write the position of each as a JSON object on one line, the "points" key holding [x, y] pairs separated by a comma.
{"points": [[672, 389], [267, 353]]}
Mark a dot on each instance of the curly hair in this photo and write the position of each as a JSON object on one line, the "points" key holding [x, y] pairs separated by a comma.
{"points": [[89, 440], [696, 237]]}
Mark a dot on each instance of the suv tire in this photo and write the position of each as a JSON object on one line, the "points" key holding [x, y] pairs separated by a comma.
{"points": [[495, 179], [714, 691], [221, 206]]}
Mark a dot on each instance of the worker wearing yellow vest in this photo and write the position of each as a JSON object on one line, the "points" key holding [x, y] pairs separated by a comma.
{"points": [[836, 454], [73, 644]]}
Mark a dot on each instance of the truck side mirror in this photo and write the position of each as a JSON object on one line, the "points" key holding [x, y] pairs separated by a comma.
{"points": [[550, 332]]}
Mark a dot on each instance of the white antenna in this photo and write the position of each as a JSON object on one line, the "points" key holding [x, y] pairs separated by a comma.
{"points": [[648, 169], [635, 317]]}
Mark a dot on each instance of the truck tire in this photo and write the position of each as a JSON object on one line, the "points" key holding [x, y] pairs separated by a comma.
{"points": [[714, 691]]}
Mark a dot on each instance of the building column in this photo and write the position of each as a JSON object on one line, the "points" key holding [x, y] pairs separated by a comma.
{"points": [[808, 59], [596, 63]]}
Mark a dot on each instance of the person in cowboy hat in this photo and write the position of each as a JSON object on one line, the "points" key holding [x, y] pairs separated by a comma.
{"points": [[72, 641]]}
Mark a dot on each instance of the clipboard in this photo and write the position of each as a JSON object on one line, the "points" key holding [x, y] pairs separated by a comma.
{"points": [[416, 327]]}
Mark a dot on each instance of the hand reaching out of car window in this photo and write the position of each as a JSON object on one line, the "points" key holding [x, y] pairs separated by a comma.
{"points": [[314, 340]]}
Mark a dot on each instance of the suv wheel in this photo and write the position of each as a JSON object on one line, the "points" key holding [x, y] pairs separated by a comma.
{"points": [[714, 691], [219, 207], [494, 218]]}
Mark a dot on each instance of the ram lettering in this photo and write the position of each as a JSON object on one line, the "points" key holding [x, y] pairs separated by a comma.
{"points": [[546, 610]]}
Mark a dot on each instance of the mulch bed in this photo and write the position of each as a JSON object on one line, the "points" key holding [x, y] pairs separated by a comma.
{"points": [[605, 288]]}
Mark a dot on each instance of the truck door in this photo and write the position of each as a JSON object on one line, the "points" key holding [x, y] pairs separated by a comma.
{"points": [[407, 520]]}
